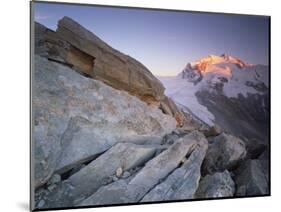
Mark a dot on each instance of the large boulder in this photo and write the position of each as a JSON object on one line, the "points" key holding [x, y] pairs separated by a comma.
{"points": [[224, 152], [183, 182], [220, 184], [251, 179], [71, 112], [86, 181], [81, 49], [150, 175]]}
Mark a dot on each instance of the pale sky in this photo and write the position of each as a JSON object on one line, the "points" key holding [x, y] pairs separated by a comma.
{"points": [[166, 41]]}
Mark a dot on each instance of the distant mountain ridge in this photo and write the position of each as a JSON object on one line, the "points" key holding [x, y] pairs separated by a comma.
{"points": [[228, 74], [216, 88], [203, 64]]}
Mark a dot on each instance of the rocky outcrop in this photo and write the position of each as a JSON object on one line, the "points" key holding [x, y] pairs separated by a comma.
{"points": [[163, 164], [77, 118], [85, 182], [224, 152], [220, 184], [183, 182], [123, 155], [79, 48], [251, 179], [154, 171], [80, 143]]}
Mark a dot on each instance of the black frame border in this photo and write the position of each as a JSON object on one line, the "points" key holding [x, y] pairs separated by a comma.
{"points": [[31, 68]]}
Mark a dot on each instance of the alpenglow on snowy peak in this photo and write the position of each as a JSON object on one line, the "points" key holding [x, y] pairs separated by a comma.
{"points": [[227, 74], [212, 64], [204, 62], [224, 76]]}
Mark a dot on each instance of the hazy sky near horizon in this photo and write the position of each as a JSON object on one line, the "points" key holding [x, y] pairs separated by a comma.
{"points": [[166, 41]]}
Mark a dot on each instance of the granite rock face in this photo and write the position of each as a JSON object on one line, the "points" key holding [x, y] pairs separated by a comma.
{"points": [[79, 48], [77, 118]]}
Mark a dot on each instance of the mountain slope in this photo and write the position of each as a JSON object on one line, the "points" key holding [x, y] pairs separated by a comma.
{"points": [[183, 93]]}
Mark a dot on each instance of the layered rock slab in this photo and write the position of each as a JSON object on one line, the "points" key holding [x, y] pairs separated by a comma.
{"points": [[150, 175], [183, 182], [61, 95], [80, 143], [85, 182]]}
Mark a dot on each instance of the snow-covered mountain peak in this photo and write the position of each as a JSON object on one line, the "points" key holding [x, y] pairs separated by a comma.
{"points": [[222, 75], [203, 64], [225, 65]]}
